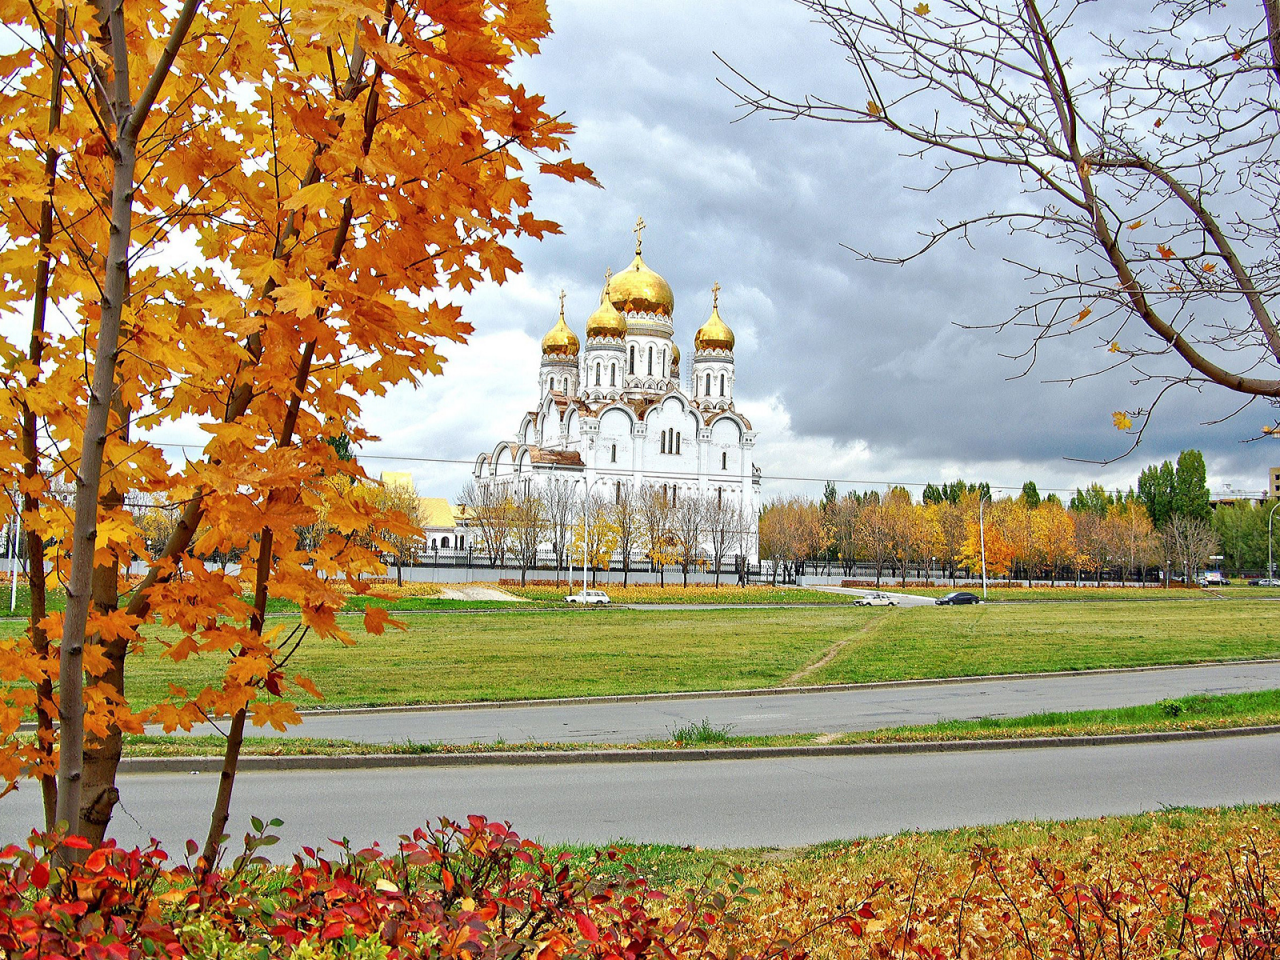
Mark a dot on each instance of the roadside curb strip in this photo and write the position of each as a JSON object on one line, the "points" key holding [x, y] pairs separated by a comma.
{"points": [[377, 761], [767, 691]]}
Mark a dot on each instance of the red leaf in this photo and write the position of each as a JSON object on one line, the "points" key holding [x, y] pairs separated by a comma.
{"points": [[587, 928], [1208, 941], [77, 843], [332, 931], [40, 875]]}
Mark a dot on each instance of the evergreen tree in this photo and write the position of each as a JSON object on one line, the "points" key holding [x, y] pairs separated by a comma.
{"points": [[1190, 494], [1030, 494], [1155, 492]]}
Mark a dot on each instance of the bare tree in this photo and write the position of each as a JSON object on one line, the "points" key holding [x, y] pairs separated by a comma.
{"points": [[656, 529], [490, 506], [723, 523], [558, 497], [529, 523], [690, 516], [875, 532], [1190, 542], [1148, 156], [627, 518]]}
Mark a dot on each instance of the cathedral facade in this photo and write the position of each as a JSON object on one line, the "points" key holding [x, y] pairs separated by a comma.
{"points": [[620, 410]]}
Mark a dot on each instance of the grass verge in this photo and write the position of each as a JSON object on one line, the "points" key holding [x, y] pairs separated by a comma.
{"points": [[511, 655], [1186, 713]]}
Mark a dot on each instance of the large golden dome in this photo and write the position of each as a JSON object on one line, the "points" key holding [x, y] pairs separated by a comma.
{"points": [[638, 289], [715, 333], [606, 321], [560, 341]]}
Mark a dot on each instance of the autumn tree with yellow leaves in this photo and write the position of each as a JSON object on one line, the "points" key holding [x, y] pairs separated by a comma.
{"points": [[339, 166]]}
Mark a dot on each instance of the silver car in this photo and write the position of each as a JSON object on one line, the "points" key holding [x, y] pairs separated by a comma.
{"points": [[587, 596], [876, 600]]}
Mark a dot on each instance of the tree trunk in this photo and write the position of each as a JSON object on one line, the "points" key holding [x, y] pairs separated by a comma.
{"points": [[45, 734], [102, 754], [89, 482]]}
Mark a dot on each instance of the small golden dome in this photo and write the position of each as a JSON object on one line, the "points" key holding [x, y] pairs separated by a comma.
{"points": [[675, 360], [715, 333], [606, 321], [560, 341]]}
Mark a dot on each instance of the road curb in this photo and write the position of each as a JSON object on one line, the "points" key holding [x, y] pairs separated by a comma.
{"points": [[765, 691], [376, 761]]}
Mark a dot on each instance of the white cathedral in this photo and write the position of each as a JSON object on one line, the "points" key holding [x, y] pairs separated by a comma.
{"points": [[619, 411]]}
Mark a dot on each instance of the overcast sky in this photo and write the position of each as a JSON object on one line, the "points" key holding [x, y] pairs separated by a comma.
{"points": [[848, 370]]}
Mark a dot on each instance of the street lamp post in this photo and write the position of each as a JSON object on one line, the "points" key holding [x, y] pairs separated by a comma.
{"points": [[982, 540], [1271, 570], [13, 562]]}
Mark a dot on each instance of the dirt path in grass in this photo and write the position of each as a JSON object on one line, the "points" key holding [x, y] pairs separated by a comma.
{"points": [[473, 592], [832, 652]]}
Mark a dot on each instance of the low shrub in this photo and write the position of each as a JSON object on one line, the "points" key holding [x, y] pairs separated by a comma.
{"points": [[456, 890]]}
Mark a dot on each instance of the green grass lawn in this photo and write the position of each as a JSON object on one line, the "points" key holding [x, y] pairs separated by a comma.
{"points": [[524, 653], [999, 591]]}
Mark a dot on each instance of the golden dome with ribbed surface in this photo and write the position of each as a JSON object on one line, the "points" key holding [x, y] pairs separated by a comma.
{"points": [[560, 341], [715, 333], [638, 289], [675, 360], [606, 321]]}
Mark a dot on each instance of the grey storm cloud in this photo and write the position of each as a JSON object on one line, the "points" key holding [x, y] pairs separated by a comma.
{"points": [[856, 352]]}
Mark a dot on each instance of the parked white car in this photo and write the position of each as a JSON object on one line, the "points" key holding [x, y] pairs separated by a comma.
{"points": [[587, 596], [876, 600]]}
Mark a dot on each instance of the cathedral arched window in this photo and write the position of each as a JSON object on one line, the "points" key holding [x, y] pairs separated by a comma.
{"points": [[722, 384], [719, 496], [651, 361], [459, 544], [613, 453], [613, 375], [724, 461], [708, 384], [677, 443], [617, 492], [444, 542], [674, 493], [631, 362], [433, 542], [662, 361], [662, 443], [598, 376]]}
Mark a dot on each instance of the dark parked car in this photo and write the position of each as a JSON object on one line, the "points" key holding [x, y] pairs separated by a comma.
{"points": [[957, 598]]}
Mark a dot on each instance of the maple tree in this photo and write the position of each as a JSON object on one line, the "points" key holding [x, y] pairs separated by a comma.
{"points": [[339, 168], [1139, 150]]}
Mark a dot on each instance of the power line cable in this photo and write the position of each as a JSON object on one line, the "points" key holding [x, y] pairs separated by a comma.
{"points": [[763, 476]]}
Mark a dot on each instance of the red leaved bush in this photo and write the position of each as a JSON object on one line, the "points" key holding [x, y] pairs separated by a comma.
{"points": [[457, 890]]}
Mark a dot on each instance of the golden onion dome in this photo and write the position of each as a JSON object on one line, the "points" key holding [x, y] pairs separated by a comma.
{"points": [[606, 321], [560, 341], [638, 289], [675, 360], [715, 333]]}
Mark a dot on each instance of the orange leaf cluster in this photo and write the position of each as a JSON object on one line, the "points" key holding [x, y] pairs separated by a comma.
{"points": [[340, 167]]}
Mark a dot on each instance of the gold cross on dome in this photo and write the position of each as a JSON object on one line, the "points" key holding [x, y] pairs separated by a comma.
{"points": [[715, 295], [639, 229], [562, 304]]}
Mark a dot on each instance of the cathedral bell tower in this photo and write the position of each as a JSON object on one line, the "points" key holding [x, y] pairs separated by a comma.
{"points": [[559, 369], [713, 361]]}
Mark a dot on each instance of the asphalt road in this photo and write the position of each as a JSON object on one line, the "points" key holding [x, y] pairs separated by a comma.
{"points": [[718, 803], [836, 711]]}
